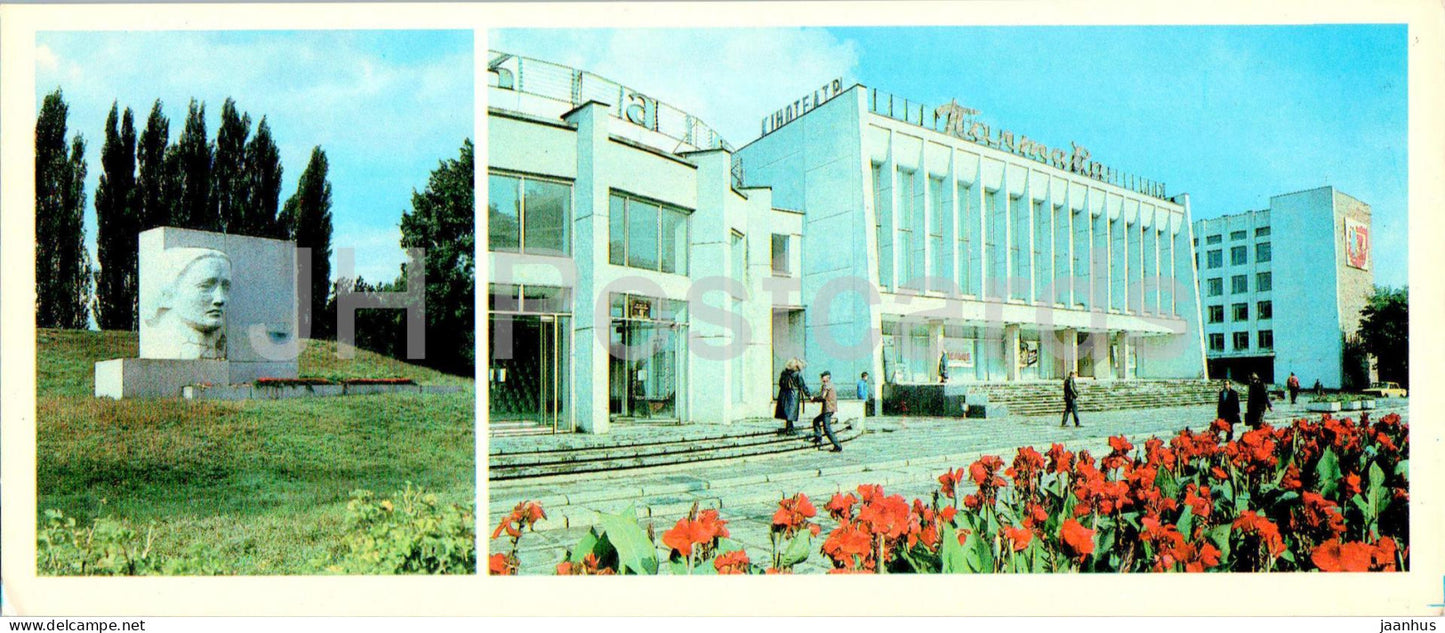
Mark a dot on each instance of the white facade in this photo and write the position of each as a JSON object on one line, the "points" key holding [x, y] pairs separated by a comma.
{"points": [[775, 252], [1280, 293]]}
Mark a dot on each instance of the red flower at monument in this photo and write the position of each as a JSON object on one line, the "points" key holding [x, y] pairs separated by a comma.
{"points": [[1331, 555], [840, 507], [731, 563], [1018, 538], [849, 546], [1078, 540]]}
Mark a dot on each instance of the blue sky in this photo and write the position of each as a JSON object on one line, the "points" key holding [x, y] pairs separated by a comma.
{"points": [[385, 106], [1230, 115]]}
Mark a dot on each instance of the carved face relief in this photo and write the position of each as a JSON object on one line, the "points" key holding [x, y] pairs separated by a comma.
{"points": [[201, 292]]}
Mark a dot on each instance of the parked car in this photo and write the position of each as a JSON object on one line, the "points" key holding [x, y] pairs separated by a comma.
{"points": [[1386, 390]]}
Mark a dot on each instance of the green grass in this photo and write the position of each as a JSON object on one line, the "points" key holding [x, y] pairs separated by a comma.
{"points": [[262, 483]]}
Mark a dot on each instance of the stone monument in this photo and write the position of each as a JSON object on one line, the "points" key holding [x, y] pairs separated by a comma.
{"points": [[214, 309]]}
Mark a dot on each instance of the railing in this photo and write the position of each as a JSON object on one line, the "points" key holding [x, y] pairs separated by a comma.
{"points": [[569, 85], [915, 113]]}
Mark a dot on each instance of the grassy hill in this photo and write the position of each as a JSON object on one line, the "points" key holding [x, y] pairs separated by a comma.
{"points": [[264, 483]]}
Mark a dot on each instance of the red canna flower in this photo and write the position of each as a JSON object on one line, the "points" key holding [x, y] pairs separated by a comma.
{"points": [[949, 480], [1219, 473], [1291, 480], [1060, 460], [1331, 555], [1077, 539], [731, 563], [1352, 485], [840, 507], [887, 516], [947, 513], [1198, 500], [502, 565], [691, 532], [793, 514], [849, 546], [1384, 556], [564, 568], [1018, 538]]}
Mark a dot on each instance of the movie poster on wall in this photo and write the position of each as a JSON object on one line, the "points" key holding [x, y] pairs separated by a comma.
{"points": [[1357, 244]]}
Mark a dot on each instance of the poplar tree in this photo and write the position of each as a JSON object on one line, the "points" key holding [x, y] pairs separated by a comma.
{"points": [[262, 178], [118, 222], [308, 215], [152, 178], [62, 266], [441, 221], [192, 160], [228, 178]]}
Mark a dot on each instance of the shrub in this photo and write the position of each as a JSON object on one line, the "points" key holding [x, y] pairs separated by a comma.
{"points": [[411, 533], [108, 547]]}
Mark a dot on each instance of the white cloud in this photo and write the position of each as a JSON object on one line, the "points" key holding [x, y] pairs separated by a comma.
{"points": [[730, 78]]}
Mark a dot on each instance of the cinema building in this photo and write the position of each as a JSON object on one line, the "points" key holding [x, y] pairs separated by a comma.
{"points": [[641, 268], [1318, 243]]}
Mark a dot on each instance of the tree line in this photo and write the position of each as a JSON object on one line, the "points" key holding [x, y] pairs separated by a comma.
{"points": [[232, 184], [229, 184]]}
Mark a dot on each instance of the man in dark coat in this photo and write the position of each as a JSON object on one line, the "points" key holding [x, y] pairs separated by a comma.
{"points": [[791, 392], [1227, 408], [1071, 397], [1293, 385], [1257, 402]]}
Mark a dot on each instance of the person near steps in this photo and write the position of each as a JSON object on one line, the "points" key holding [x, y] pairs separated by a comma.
{"points": [[791, 392], [1071, 401], [1227, 408], [824, 422]]}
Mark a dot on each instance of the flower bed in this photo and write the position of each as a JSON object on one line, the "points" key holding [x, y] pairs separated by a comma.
{"points": [[1327, 495], [293, 382], [379, 381]]}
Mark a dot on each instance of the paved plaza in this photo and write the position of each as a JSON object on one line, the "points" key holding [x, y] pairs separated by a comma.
{"points": [[904, 455]]}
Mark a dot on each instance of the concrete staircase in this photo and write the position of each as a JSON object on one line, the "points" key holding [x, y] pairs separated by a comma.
{"points": [[1047, 398], [538, 459]]}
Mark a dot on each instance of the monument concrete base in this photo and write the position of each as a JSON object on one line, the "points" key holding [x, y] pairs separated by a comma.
{"points": [[165, 377]]}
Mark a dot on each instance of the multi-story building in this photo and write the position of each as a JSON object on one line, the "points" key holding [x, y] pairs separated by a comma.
{"points": [[1283, 287], [640, 268]]}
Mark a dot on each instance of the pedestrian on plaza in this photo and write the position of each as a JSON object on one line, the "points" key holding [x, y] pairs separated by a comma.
{"points": [[865, 392], [829, 397], [1071, 398], [791, 392], [1293, 385], [1257, 402], [1227, 408], [1319, 388], [943, 366]]}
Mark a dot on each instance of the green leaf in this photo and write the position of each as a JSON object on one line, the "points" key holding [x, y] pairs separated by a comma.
{"points": [[1186, 522], [635, 552], [797, 550], [587, 545], [1167, 484], [1327, 472], [1402, 468], [954, 561], [1220, 536]]}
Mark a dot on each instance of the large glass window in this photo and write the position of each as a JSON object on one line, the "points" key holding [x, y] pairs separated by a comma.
{"points": [[647, 372], [883, 214], [1241, 341], [1216, 314], [1266, 339], [1262, 231], [1263, 252], [1239, 284], [648, 235], [1235, 236], [1238, 255], [1213, 239], [1265, 310], [909, 226], [1241, 312], [967, 228], [940, 221], [1215, 287], [1216, 258], [1263, 282], [528, 215]]}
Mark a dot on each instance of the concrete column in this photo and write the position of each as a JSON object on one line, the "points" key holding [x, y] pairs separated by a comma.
{"points": [[1099, 344], [711, 253], [1122, 343], [935, 346], [1071, 350], [1011, 351], [589, 249]]}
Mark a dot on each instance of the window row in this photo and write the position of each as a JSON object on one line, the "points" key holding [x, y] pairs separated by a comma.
{"points": [[1240, 312], [1264, 341], [1239, 284], [1239, 255]]}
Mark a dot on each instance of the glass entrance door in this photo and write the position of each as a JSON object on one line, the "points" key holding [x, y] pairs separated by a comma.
{"points": [[528, 371]]}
